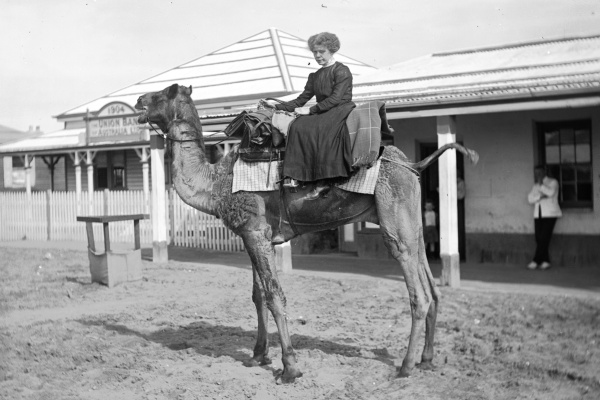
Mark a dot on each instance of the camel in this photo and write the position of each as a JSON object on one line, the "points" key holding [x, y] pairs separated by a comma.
{"points": [[254, 216]]}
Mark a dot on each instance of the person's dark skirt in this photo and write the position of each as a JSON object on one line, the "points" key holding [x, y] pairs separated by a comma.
{"points": [[318, 146]]}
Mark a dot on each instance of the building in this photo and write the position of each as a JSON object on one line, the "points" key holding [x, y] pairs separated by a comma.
{"points": [[517, 105], [12, 169]]}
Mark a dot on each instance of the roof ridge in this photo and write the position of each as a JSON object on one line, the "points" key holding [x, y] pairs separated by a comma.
{"points": [[477, 72], [514, 45]]}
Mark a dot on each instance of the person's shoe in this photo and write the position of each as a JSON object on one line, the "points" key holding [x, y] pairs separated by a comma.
{"points": [[317, 192], [545, 265], [277, 239], [532, 265]]}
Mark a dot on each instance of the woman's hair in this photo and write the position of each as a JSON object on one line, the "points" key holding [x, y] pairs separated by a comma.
{"points": [[329, 40]]}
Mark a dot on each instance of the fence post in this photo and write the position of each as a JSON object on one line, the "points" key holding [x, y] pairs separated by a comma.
{"points": [[172, 215], [48, 214], [106, 201]]}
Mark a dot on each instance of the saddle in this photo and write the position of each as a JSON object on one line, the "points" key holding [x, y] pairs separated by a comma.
{"points": [[260, 141]]}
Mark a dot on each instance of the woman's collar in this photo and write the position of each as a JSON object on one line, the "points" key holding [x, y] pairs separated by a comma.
{"points": [[330, 63]]}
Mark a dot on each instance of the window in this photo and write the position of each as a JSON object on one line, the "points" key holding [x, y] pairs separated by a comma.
{"points": [[18, 172], [566, 148], [117, 161], [118, 178], [15, 172]]}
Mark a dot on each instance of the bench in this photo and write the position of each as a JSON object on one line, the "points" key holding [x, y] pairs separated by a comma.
{"points": [[113, 267]]}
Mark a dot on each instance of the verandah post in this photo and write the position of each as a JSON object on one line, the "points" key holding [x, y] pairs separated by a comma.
{"points": [[158, 210], [446, 133]]}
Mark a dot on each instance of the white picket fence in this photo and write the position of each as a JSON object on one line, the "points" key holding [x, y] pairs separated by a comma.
{"points": [[52, 216]]}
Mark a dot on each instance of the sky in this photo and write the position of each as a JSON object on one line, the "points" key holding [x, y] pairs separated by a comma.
{"points": [[57, 55]]}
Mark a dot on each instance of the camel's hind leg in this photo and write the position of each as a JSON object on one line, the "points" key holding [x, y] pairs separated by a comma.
{"points": [[400, 221], [430, 321], [261, 349]]}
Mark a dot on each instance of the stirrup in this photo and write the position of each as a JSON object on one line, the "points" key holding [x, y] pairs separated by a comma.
{"points": [[292, 183]]}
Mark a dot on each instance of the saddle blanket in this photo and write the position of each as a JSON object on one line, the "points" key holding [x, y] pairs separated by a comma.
{"points": [[252, 177]]}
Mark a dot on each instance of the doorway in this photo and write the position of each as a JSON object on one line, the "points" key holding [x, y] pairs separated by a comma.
{"points": [[430, 179]]}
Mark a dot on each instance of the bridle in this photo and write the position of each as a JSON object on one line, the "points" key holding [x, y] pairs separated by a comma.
{"points": [[166, 136]]}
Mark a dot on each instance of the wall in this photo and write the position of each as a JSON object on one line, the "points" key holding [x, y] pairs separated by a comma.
{"points": [[499, 220], [497, 188]]}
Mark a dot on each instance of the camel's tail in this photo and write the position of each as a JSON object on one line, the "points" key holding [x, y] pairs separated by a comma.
{"points": [[426, 162]]}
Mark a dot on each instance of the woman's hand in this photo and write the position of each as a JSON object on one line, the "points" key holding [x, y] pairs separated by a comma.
{"points": [[268, 103], [302, 110]]}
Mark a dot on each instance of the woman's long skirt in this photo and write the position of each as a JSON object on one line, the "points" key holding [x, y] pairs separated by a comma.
{"points": [[318, 146]]}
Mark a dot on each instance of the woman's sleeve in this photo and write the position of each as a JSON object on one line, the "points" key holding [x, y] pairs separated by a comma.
{"points": [[301, 100], [550, 189], [534, 196], [342, 81]]}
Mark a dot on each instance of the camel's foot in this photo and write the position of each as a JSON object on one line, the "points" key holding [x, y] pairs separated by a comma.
{"points": [[426, 366], [257, 361], [289, 375], [403, 372]]}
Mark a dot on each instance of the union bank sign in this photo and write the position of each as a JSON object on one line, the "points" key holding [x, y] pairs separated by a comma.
{"points": [[116, 122]]}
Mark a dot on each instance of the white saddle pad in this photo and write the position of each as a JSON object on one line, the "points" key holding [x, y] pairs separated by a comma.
{"points": [[252, 177]]}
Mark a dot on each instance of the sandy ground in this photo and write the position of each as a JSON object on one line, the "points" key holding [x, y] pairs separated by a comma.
{"points": [[183, 331]]}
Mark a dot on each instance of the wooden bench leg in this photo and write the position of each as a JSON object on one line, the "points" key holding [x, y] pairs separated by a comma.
{"points": [[136, 233], [106, 238], [90, 236]]}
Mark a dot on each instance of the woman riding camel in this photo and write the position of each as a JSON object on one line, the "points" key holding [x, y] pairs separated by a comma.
{"points": [[318, 145]]}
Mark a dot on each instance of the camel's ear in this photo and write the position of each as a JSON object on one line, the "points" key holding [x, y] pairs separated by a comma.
{"points": [[190, 93], [173, 90]]}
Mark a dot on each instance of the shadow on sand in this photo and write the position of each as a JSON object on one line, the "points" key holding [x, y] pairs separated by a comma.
{"points": [[229, 341]]}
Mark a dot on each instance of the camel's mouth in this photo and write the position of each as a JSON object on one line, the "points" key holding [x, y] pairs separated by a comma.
{"points": [[143, 117]]}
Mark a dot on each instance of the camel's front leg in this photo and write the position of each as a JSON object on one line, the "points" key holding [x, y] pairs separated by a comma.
{"points": [[258, 245], [261, 349]]}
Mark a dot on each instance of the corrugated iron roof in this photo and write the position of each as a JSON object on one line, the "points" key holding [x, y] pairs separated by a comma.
{"points": [[535, 69], [269, 62]]}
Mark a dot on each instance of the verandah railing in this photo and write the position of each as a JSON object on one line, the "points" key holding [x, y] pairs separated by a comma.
{"points": [[52, 216]]}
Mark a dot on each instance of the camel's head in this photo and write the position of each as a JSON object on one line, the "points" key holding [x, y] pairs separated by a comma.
{"points": [[164, 106]]}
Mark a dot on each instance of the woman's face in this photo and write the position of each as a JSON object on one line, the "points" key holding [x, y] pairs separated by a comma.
{"points": [[322, 54]]}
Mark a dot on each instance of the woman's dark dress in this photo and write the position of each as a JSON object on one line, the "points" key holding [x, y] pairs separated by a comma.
{"points": [[318, 145]]}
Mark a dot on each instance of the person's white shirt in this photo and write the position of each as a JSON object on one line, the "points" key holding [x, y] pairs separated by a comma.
{"points": [[429, 218], [545, 196]]}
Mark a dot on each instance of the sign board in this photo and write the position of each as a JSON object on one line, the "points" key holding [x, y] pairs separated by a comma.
{"points": [[116, 122]]}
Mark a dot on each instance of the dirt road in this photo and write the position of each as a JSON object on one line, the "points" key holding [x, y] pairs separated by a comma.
{"points": [[184, 330]]}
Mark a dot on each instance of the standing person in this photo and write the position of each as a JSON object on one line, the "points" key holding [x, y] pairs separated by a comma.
{"points": [[318, 147], [430, 233], [544, 197]]}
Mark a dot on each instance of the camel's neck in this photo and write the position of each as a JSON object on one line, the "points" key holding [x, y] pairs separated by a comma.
{"points": [[193, 175]]}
